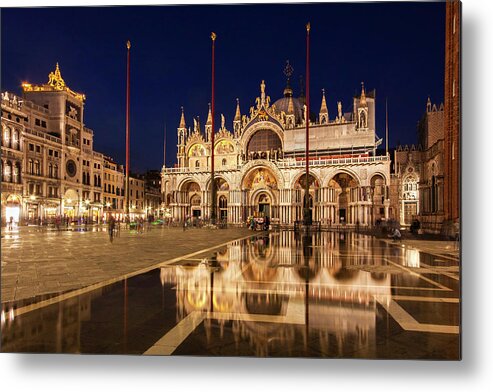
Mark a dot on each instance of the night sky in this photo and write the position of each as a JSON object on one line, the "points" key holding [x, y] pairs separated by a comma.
{"points": [[395, 48]]}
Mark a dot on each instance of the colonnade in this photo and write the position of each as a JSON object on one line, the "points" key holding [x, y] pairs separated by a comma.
{"points": [[352, 206]]}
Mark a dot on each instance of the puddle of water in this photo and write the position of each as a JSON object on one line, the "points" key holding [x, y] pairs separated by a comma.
{"points": [[281, 294]]}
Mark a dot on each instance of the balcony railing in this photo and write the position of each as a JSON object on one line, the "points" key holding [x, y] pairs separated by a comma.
{"points": [[288, 164], [44, 135]]}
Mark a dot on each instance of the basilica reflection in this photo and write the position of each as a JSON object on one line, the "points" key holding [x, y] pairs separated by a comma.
{"points": [[281, 289], [327, 294]]}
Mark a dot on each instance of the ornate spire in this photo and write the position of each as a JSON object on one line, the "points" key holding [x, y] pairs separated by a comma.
{"points": [[182, 120], [428, 105], [290, 105], [362, 100], [323, 107], [288, 71], [238, 114], [324, 112], [209, 116]]}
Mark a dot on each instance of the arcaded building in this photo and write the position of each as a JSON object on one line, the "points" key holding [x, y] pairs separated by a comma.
{"points": [[260, 164]]}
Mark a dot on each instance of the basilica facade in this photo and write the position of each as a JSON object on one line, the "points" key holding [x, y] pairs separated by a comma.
{"points": [[260, 164]]}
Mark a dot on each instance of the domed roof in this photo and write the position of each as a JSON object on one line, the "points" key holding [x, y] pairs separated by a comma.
{"points": [[281, 105]]}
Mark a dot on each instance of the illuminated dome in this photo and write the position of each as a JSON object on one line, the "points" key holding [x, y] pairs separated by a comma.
{"points": [[281, 105]]}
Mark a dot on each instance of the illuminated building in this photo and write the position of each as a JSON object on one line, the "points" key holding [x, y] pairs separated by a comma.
{"points": [[260, 164], [49, 167], [137, 207], [113, 189], [420, 175]]}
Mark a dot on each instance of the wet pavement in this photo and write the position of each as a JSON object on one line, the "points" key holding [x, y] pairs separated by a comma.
{"points": [[41, 262], [335, 295]]}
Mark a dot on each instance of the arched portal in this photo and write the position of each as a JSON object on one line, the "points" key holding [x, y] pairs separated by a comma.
{"points": [[344, 189], [222, 197], [190, 200], [264, 203], [410, 198], [313, 196], [260, 186], [379, 195]]}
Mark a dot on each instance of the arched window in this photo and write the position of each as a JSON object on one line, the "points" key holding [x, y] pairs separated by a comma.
{"points": [[55, 171], [264, 140], [30, 169], [17, 173], [197, 164], [37, 168], [7, 177], [6, 137], [50, 170], [223, 202], [195, 200], [224, 162], [410, 188], [15, 140]]}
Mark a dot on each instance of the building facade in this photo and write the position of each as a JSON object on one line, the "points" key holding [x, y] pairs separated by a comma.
{"points": [[419, 170], [260, 164], [153, 198], [48, 167], [452, 116], [137, 207], [113, 189]]}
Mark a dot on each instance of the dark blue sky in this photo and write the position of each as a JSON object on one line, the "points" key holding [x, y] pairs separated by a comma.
{"points": [[395, 48]]}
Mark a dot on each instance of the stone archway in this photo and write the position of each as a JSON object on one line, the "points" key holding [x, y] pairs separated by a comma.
{"points": [[299, 189], [345, 192], [191, 199], [222, 197], [261, 188]]}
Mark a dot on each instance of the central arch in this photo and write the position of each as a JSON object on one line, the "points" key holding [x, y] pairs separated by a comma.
{"points": [[261, 186]]}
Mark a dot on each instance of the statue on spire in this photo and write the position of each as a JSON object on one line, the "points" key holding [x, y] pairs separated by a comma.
{"points": [[262, 92], [55, 79]]}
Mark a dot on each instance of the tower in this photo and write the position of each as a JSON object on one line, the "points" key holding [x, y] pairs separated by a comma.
{"points": [[452, 115]]}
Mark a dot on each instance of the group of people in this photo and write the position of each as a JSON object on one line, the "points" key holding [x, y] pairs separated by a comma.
{"points": [[258, 223]]}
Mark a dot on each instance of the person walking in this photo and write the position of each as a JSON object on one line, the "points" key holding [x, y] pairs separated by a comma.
{"points": [[111, 227]]}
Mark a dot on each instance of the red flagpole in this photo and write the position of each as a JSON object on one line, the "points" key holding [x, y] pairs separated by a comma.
{"points": [[213, 184], [127, 132], [307, 217]]}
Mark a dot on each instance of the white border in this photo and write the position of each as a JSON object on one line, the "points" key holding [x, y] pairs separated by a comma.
{"points": [[127, 373]]}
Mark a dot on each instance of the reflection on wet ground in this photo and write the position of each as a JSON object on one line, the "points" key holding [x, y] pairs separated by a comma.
{"points": [[279, 295]]}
